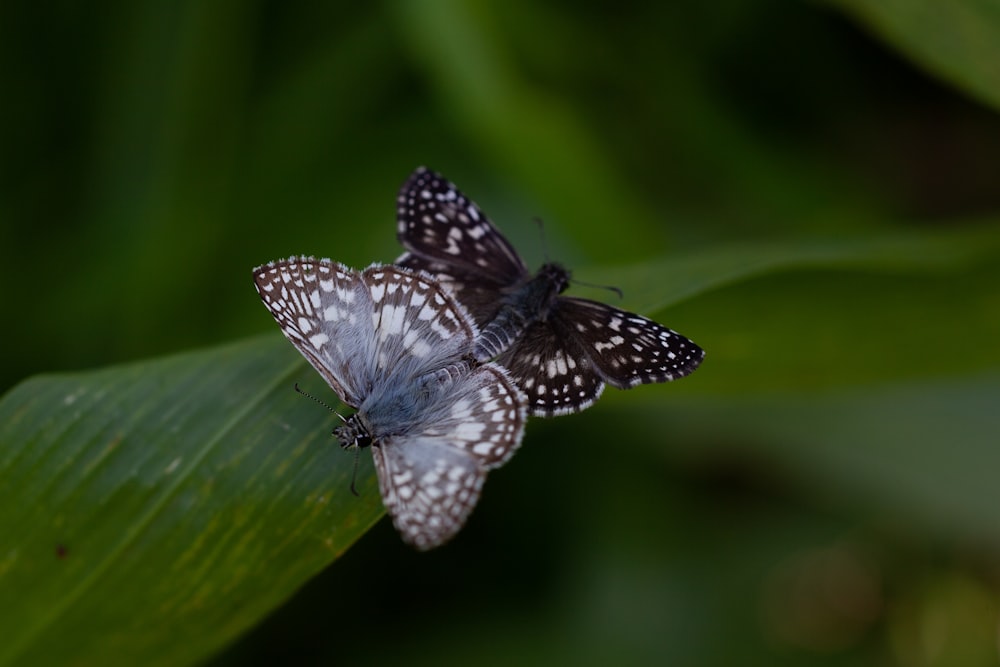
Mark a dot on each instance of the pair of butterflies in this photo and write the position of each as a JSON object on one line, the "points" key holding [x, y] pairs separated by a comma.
{"points": [[444, 354]]}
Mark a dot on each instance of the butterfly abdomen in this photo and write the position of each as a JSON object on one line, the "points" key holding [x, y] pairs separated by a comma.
{"points": [[525, 304]]}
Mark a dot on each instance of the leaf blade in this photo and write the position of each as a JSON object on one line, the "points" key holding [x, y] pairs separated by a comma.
{"points": [[958, 40], [166, 504]]}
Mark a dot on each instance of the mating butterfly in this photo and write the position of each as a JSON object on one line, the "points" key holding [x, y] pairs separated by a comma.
{"points": [[559, 350], [396, 347]]}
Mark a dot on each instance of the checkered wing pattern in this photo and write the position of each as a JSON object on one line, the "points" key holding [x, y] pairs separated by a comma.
{"points": [[430, 483], [448, 236], [397, 347], [562, 364], [560, 350], [321, 307]]}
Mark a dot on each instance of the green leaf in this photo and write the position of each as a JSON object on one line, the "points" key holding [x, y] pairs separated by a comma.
{"points": [[152, 512], [959, 40], [811, 315], [923, 455]]}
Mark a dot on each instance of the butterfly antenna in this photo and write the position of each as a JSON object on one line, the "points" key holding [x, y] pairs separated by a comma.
{"points": [[320, 401], [610, 288], [545, 251], [541, 237], [357, 450]]}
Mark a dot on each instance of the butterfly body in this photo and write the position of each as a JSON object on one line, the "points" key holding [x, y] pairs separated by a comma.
{"points": [[521, 305], [396, 347], [560, 350]]}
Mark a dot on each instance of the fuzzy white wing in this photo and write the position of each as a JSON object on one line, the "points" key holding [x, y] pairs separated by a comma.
{"points": [[431, 479], [323, 308]]}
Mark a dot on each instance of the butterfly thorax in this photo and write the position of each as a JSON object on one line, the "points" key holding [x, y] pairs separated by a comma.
{"points": [[522, 306], [402, 401]]}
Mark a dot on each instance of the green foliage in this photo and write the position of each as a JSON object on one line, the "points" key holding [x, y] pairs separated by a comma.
{"points": [[156, 510], [808, 203], [958, 41]]}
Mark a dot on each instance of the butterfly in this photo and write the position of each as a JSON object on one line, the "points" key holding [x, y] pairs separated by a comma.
{"points": [[396, 347], [560, 350]]}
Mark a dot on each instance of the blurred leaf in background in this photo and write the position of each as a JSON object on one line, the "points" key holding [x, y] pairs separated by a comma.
{"points": [[810, 191]]}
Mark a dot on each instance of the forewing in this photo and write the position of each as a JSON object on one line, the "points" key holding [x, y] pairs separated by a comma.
{"points": [[417, 326], [431, 478], [322, 307], [479, 295], [440, 225], [624, 348]]}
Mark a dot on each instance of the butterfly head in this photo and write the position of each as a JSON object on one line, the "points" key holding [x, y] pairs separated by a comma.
{"points": [[555, 276], [353, 434]]}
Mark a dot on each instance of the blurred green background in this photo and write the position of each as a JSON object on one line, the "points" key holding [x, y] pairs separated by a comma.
{"points": [[813, 187]]}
